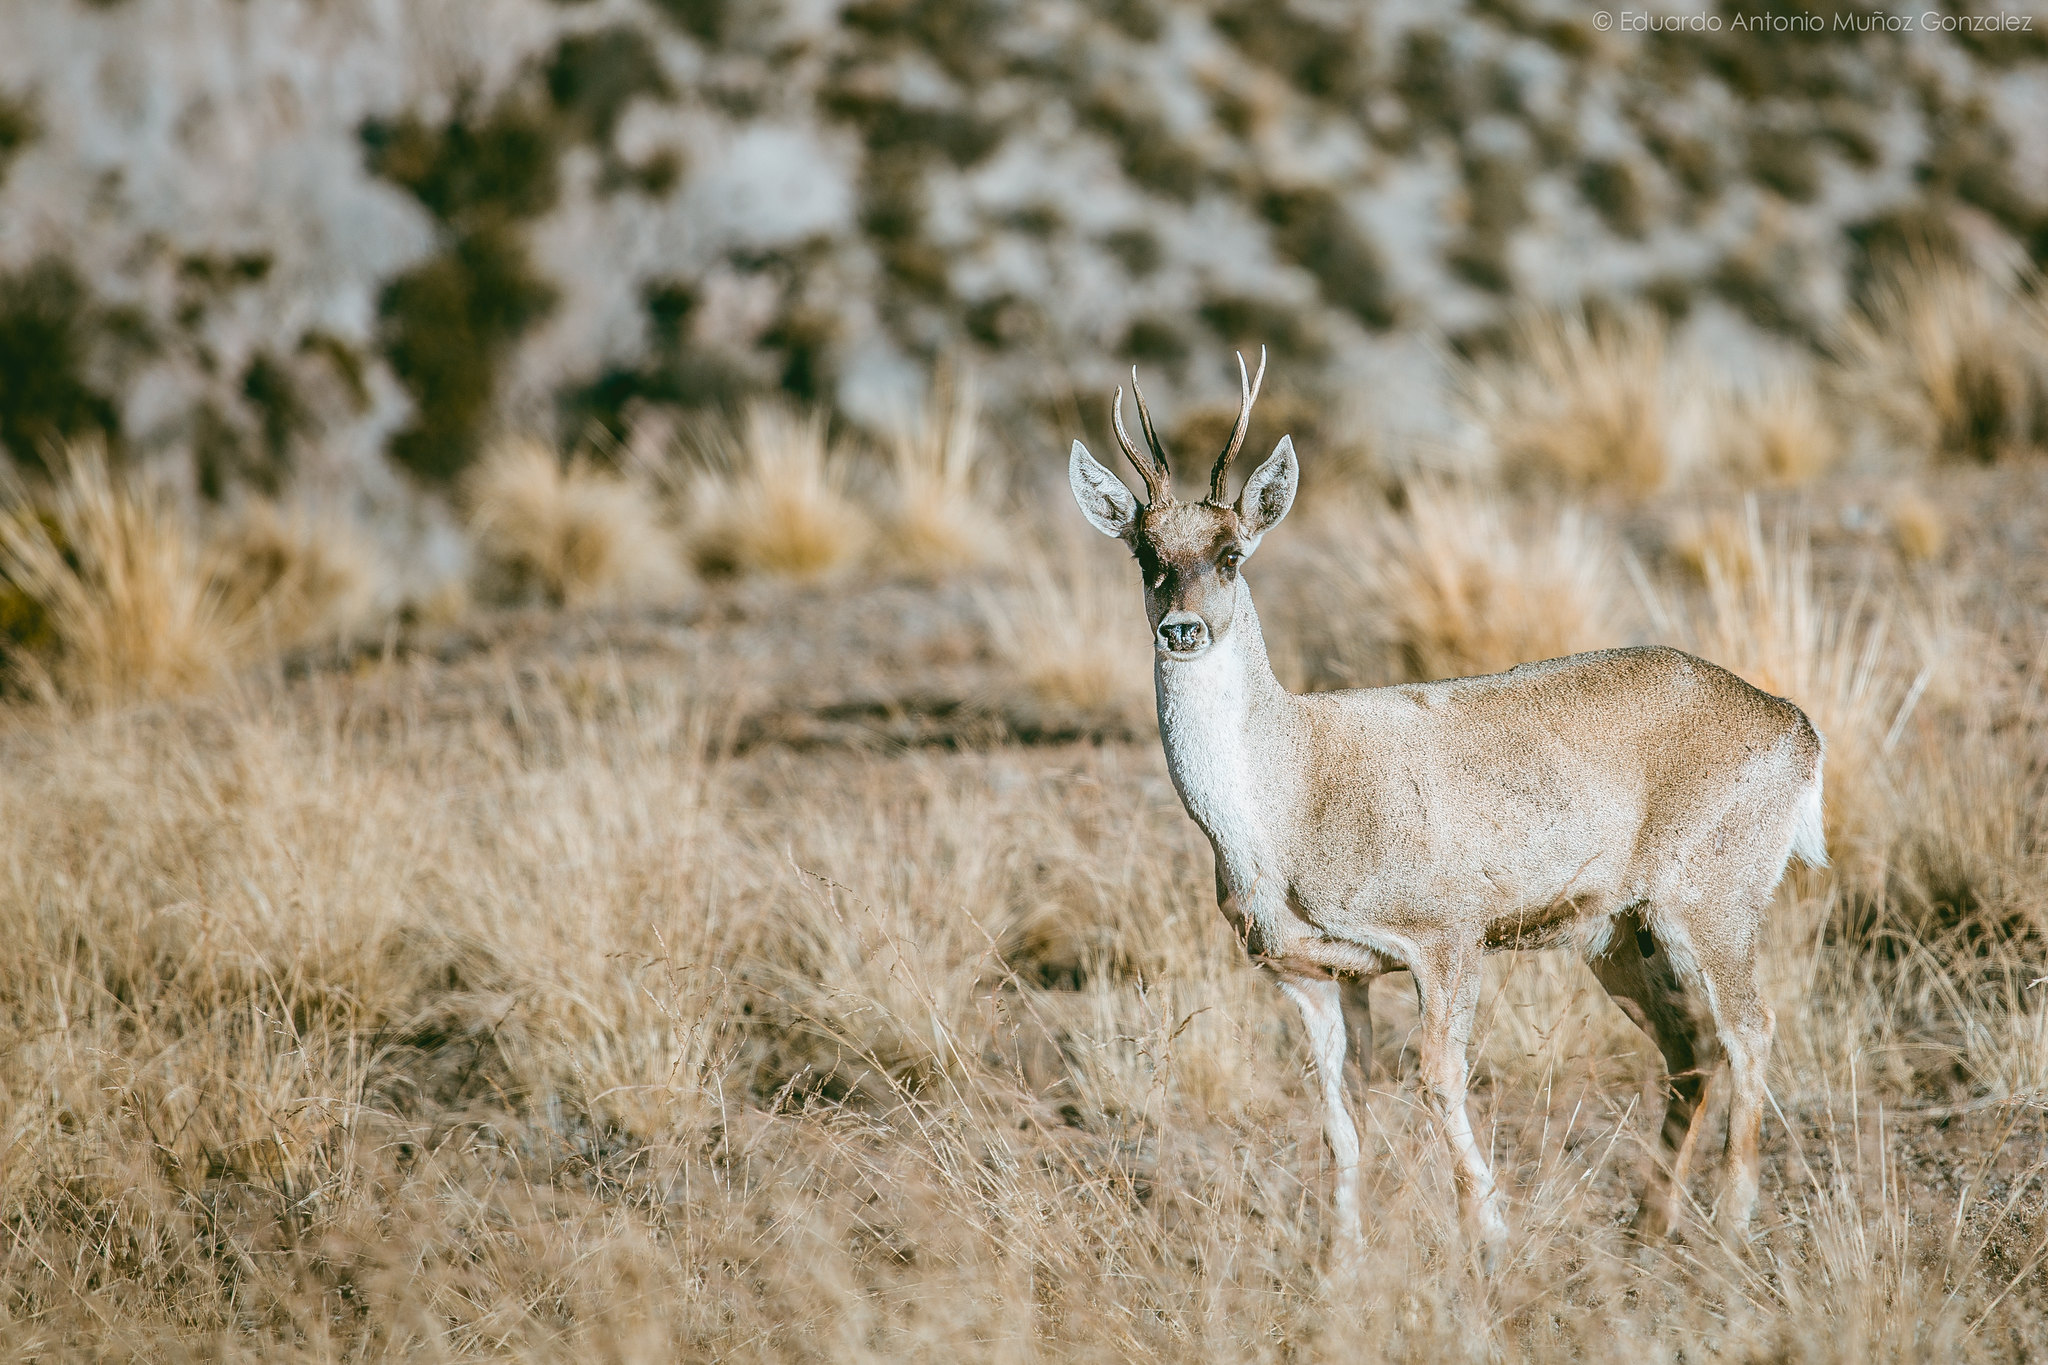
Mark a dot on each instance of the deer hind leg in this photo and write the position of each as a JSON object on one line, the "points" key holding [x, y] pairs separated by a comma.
{"points": [[1322, 1010], [1744, 1024], [1450, 1003], [1644, 982], [1358, 1020]]}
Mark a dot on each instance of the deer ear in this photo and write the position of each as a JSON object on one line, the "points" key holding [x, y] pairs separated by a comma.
{"points": [[1269, 492], [1104, 500]]}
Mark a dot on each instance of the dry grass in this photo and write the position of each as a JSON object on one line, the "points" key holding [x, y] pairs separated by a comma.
{"points": [[509, 1008], [1462, 582], [774, 498], [1919, 530], [564, 532], [117, 592], [1069, 624], [1583, 405], [1767, 619], [296, 574], [1954, 361], [636, 1051], [1781, 434], [1714, 543], [941, 509]]}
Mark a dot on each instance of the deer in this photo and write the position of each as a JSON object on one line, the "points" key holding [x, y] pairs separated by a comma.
{"points": [[1640, 804]]}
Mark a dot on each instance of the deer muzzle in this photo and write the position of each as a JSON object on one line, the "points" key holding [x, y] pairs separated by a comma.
{"points": [[1183, 634]]}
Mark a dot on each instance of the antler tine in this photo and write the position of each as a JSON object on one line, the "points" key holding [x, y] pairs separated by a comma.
{"points": [[1158, 486], [1249, 389], [1145, 421]]}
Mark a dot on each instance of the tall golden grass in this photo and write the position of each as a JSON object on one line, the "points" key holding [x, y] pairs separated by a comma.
{"points": [[512, 1007], [639, 1050], [774, 497], [567, 532], [1954, 360], [1461, 581], [941, 508], [1581, 404], [124, 594]]}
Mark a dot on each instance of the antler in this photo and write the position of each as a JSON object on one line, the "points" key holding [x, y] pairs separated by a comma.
{"points": [[1249, 388], [1158, 482]]}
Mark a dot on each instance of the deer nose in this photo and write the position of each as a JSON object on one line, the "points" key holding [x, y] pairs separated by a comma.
{"points": [[1183, 633]]}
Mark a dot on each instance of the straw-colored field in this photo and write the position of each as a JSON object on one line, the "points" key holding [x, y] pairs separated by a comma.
{"points": [[777, 938]]}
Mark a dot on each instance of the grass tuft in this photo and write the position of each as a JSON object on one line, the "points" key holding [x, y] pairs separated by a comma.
{"points": [[1782, 435], [1919, 531], [1071, 625], [566, 533], [774, 499], [940, 515], [1458, 584], [1954, 362], [124, 597], [1580, 404]]}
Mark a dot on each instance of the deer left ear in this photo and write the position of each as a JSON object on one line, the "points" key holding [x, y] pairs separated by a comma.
{"points": [[1269, 492]]}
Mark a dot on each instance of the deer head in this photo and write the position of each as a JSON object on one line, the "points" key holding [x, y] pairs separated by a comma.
{"points": [[1189, 553]]}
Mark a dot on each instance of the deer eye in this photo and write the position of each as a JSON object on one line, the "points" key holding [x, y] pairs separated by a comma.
{"points": [[1230, 559]]}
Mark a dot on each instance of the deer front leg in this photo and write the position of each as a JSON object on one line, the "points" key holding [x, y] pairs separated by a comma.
{"points": [[1322, 1009], [1450, 1002]]}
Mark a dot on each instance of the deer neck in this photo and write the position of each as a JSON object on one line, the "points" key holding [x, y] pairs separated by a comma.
{"points": [[1217, 712]]}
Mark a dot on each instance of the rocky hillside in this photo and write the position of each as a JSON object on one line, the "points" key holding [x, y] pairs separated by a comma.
{"points": [[268, 233]]}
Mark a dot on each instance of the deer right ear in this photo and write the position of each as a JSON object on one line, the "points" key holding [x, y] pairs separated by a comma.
{"points": [[1104, 500]]}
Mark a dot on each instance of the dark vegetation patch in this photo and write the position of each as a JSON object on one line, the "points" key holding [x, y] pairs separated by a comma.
{"points": [[18, 128], [450, 323], [892, 127], [1137, 20], [1497, 202], [1763, 281], [1146, 148], [1155, 340], [1785, 160], [1919, 228], [963, 36], [1251, 320], [1003, 321], [52, 336], [1325, 58], [1314, 229], [1432, 83], [1615, 190], [1567, 36], [1691, 162], [593, 77], [1969, 156], [1137, 249], [705, 20], [675, 371]]}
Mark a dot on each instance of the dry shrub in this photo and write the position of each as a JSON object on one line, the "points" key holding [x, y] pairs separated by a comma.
{"points": [[1919, 531], [1070, 624], [1954, 361], [295, 575], [940, 515], [1781, 434], [568, 533], [774, 499], [1581, 404], [1460, 583], [1771, 623], [1713, 542], [117, 592]]}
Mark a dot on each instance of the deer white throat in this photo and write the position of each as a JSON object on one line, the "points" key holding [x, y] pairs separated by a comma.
{"points": [[1206, 715]]}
